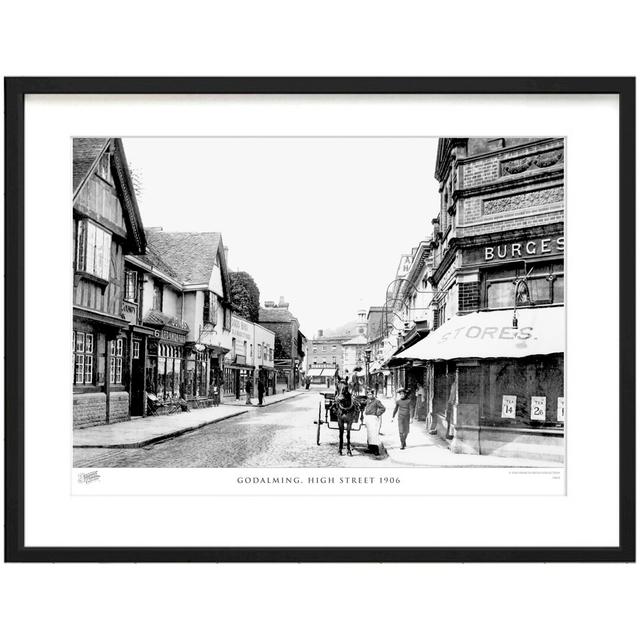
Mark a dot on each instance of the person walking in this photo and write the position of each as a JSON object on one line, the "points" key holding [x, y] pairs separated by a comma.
{"points": [[248, 388], [403, 409], [260, 392], [372, 416], [419, 401]]}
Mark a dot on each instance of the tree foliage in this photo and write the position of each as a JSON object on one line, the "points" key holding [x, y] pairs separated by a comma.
{"points": [[245, 295]]}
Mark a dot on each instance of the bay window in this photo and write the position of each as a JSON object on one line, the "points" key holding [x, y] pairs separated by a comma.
{"points": [[93, 249]]}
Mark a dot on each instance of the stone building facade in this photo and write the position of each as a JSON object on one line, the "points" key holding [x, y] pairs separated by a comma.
{"points": [[498, 247]]}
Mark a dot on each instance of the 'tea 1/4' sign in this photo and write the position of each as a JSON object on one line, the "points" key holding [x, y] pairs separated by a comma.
{"points": [[560, 412], [538, 408], [508, 406]]}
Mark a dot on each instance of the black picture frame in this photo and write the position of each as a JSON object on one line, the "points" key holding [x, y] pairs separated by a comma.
{"points": [[15, 91]]}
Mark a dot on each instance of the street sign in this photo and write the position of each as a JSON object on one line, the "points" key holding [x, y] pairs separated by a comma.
{"points": [[508, 406], [560, 412], [538, 408]]}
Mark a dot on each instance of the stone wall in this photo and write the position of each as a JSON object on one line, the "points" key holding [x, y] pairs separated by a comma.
{"points": [[118, 406], [89, 409]]}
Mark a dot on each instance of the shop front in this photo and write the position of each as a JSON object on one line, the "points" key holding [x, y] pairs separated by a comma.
{"points": [[497, 383], [166, 357]]}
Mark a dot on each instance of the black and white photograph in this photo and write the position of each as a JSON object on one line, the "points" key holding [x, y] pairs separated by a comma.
{"points": [[318, 302]]}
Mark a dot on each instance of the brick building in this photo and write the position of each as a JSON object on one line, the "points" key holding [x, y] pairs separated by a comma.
{"points": [[290, 343], [497, 350]]}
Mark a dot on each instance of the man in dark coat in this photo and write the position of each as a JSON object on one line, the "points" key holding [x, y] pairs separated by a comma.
{"points": [[260, 391], [249, 389]]}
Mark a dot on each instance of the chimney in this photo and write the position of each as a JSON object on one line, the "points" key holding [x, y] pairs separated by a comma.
{"points": [[282, 303], [269, 303], [319, 333]]}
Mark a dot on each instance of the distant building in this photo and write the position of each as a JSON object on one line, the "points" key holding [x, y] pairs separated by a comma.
{"points": [[290, 343]]}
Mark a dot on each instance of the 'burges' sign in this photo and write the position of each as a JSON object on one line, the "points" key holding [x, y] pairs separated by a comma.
{"points": [[528, 249]]}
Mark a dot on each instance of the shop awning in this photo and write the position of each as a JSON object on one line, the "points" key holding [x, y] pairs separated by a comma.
{"points": [[490, 334], [314, 372], [329, 372]]}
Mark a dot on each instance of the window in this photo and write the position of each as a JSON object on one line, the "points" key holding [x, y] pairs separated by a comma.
{"points": [[93, 249], [210, 311], [315, 349], [131, 285], [136, 350], [270, 353], [83, 354], [251, 350], [157, 296], [259, 351], [227, 320], [115, 361], [545, 285], [333, 348], [233, 348], [104, 167]]}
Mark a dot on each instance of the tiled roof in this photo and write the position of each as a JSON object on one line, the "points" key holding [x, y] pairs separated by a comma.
{"points": [[153, 259], [276, 314], [191, 256], [155, 317], [85, 153]]}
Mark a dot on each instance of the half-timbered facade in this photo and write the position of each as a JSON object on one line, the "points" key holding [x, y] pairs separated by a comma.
{"points": [[106, 226]]}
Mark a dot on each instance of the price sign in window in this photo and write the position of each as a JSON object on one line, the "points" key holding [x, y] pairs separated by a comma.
{"points": [[538, 408], [508, 406], [560, 413]]}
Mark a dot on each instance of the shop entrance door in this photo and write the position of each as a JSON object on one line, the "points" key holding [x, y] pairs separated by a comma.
{"points": [[137, 378]]}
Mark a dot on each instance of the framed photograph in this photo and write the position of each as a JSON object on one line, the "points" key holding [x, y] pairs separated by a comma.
{"points": [[320, 319]]}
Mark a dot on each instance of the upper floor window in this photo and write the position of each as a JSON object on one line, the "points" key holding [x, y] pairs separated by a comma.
{"points": [[259, 351], [157, 296], [227, 319], [544, 285], [210, 310], [104, 168], [233, 347], [131, 285], [93, 249]]}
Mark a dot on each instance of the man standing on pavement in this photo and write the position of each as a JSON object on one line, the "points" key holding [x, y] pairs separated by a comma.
{"points": [[403, 409], [260, 390], [249, 389]]}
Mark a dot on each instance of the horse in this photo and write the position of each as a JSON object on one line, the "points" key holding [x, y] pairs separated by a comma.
{"points": [[347, 411]]}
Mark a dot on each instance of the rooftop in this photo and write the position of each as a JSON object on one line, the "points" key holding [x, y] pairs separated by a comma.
{"points": [[190, 256]]}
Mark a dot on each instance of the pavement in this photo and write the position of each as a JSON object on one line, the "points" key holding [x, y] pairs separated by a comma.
{"points": [[280, 434], [141, 432]]}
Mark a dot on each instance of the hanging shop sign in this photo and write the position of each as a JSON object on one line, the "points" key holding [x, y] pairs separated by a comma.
{"points": [[508, 406], [560, 410], [538, 408]]}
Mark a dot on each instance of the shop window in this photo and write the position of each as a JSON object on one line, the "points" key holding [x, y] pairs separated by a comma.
{"points": [[131, 285], [83, 357], [440, 387], [93, 249], [115, 361]]}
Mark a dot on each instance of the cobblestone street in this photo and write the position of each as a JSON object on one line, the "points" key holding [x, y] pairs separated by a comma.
{"points": [[284, 435]]}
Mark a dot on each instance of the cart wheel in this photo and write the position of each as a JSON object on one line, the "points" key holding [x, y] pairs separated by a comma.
{"points": [[319, 423]]}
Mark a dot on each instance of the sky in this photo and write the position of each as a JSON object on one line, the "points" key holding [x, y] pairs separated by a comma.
{"points": [[322, 222]]}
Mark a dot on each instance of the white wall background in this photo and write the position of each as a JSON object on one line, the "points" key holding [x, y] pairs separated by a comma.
{"points": [[334, 38]]}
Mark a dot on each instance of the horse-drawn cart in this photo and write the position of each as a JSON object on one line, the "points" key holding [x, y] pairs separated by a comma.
{"points": [[328, 406]]}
